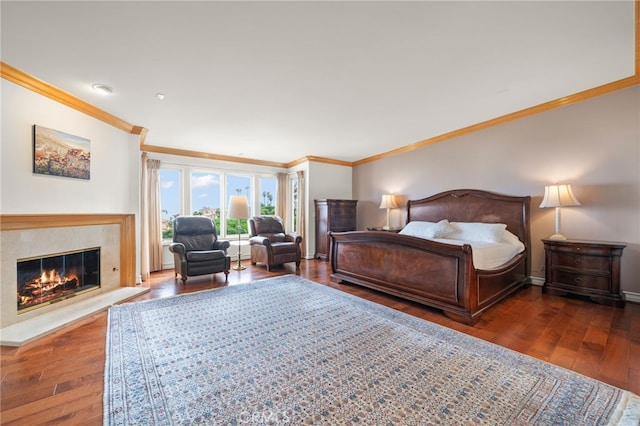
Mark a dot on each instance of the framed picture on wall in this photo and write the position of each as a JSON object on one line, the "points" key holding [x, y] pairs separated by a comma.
{"points": [[60, 154]]}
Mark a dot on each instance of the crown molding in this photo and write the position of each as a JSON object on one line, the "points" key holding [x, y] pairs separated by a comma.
{"points": [[547, 106], [209, 156], [311, 158], [45, 89], [40, 87]]}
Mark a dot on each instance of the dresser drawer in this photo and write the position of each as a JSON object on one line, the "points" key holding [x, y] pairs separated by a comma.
{"points": [[581, 262], [342, 211], [580, 281]]}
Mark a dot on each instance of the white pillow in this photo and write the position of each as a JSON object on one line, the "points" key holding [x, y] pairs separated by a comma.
{"points": [[428, 229], [477, 231]]}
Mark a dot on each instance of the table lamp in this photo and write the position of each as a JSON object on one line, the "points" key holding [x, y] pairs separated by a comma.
{"points": [[388, 202], [559, 195]]}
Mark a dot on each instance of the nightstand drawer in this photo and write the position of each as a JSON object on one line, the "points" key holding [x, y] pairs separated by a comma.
{"points": [[572, 280], [581, 262]]}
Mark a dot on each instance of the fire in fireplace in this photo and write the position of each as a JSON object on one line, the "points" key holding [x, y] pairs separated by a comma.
{"points": [[53, 278]]}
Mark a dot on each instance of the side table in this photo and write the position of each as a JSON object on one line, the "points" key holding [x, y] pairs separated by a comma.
{"points": [[587, 268]]}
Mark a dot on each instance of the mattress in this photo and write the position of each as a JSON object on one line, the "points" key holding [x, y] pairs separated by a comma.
{"points": [[487, 255]]}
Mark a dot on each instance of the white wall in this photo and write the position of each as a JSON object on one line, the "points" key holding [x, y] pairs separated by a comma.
{"points": [[325, 180], [113, 186], [114, 183], [593, 145]]}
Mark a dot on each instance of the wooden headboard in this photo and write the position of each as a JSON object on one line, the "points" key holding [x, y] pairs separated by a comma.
{"points": [[473, 205]]}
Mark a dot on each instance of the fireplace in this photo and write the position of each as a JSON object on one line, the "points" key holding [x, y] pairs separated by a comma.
{"points": [[52, 278], [27, 237]]}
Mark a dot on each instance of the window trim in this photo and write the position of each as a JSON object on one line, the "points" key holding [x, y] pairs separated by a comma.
{"points": [[186, 172]]}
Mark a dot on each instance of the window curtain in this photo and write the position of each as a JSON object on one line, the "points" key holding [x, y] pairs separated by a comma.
{"points": [[301, 210], [281, 196], [150, 220]]}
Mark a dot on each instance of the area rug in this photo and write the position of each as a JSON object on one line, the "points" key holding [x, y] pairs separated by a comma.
{"points": [[287, 350]]}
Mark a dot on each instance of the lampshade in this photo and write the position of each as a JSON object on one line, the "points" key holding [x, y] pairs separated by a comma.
{"points": [[388, 202], [559, 196], [238, 207]]}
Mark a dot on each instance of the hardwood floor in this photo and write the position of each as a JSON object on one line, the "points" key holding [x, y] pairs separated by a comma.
{"points": [[59, 379]]}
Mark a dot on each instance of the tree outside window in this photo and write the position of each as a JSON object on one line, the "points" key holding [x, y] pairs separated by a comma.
{"points": [[268, 187], [169, 200]]}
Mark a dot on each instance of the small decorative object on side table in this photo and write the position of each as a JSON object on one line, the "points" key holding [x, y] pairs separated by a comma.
{"points": [[587, 268]]}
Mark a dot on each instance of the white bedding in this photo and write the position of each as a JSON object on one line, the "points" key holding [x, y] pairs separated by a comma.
{"points": [[487, 255], [492, 245]]}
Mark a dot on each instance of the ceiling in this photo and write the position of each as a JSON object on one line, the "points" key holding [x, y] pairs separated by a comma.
{"points": [[346, 80]]}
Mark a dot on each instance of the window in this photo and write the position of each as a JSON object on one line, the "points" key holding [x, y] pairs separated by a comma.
{"points": [[239, 185], [169, 200], [268, 194], [205, 196], [186, 190]]}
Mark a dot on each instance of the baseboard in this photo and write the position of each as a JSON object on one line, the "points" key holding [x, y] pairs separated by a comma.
{"points": [[537, 281], [631, 296]]}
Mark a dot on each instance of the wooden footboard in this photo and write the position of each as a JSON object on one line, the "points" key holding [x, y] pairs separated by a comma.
{"points": [[424, 271], [428, 272]]}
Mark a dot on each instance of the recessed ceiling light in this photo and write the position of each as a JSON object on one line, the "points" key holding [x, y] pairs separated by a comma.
{"points": [[102, 89], [160, 96]]}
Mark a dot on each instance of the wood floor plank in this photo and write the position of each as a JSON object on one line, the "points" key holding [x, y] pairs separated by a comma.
{"points": [[562, 357], [615, 359], [574, 334], [633, 381], [58, 379]]}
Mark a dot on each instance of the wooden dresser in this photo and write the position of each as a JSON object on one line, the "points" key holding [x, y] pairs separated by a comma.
{"points": [[587, 268], [332, 216]]}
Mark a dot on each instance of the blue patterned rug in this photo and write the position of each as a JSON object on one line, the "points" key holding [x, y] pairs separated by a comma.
{"points": [[287, 350]]}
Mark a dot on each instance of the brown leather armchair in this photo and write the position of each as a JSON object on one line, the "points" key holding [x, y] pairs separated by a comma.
{"points": [[270, 244], [196, 248]]}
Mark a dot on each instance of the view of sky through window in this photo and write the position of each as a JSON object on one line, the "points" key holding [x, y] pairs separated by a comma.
{"points": [[205, 190]]}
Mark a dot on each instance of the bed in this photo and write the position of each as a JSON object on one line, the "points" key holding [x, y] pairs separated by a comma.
{"points": [[435, 272]]}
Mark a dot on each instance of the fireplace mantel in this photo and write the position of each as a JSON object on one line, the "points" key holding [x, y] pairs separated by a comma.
{"points": [[11, 222]]}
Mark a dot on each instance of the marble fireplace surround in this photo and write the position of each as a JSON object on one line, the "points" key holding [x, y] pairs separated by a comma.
{"points": [[31, 235]]}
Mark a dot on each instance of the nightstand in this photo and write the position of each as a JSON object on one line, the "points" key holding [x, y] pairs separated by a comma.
{"points": [[587, 268]]}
